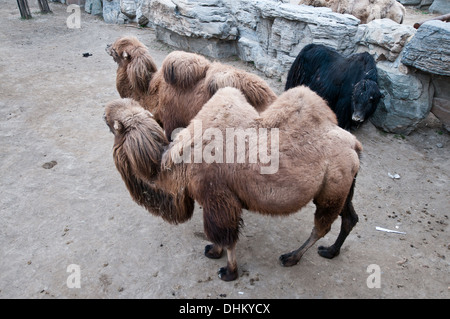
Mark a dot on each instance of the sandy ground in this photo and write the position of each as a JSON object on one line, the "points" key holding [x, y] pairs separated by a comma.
{"points": [[63, 203]]}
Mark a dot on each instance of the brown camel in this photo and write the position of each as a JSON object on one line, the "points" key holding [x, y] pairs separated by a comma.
{"points": [[316, 160], [185, 82]]}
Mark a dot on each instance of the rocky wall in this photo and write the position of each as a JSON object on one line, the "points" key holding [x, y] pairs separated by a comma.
{"points": [[429, 52], [271, 33]]}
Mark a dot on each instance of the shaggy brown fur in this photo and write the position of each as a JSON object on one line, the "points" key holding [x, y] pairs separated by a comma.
{"points": [[317, 161], [364, 10], [139, 144], [184, 84], [137, 75]]}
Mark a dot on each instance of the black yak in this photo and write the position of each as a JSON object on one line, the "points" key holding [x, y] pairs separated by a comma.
{"points": [[348, 84]]}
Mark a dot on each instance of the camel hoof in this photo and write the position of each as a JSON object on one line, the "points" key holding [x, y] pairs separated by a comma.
{"points": [[289, 259], [226, 275], [213, 253], [327, 252]]}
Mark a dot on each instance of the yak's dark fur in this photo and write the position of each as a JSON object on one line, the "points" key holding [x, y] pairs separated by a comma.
{"points": [[348, 84]]}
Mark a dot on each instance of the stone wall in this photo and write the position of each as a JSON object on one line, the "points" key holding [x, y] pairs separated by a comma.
{"points": [[429, 52], [271, 33]]}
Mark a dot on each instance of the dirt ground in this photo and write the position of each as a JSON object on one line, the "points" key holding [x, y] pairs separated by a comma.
{"points": [[63, 202]]}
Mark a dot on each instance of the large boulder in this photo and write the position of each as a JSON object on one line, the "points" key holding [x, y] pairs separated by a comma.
{"points": [[440, 6], [273, 33], [143, 13], [111, 11], [408, 93], [417, 3], [407, 98], [429, 49], [384, 39], [205, 27], [129, 8], [205, 19], [410, 2], [121, 11], [441, 100], [94, 7]]}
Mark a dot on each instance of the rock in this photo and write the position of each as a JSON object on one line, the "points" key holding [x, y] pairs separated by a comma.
{"points": [[87, 6], [441, 100], [440, 6], [425, 3], [94, 7], [128, 8], [143, 13], [407, 98], [269, 33], [273, 33], [80, 3], [417, 3], [384, 39], [429, 49], [211, 47], [441, 109], [410, 2], [208, 19], [205, 27], [49, 165], [143, 21], [111, 11]]}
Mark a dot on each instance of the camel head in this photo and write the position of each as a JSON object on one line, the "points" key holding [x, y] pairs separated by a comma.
{"points": [[132, 56], [138, 147], [139, 140]]}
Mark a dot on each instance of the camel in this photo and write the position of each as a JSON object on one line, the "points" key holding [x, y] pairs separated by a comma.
{"points": [[185, 82], [317, 161], [364, 10]]}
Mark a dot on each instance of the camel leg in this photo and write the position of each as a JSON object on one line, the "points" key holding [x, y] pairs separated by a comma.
{"points": [[292, 258], [323, 219], [230, 272], [221, 222], [213, 251], [349, 220]]}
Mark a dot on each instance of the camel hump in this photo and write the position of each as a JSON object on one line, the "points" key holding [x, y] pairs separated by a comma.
{"points": [[184, 69], [302, 105], [228, 106], [256, 91], [221, 76], [227, 109]]}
